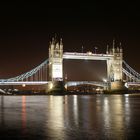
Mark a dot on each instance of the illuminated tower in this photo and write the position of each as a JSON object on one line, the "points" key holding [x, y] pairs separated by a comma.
{"points": [[56, 60], [114, 68]]}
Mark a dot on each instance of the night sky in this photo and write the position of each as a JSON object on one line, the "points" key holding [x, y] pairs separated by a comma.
{"points": [[26, 30]]}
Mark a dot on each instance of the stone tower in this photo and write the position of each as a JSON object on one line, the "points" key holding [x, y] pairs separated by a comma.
{"points": [[56, 60], [114, 68]]}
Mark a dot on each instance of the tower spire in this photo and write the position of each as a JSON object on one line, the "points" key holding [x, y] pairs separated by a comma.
{"points": [[61, 43], [113, 43], [107, 49], [121, 48], [113, 49]]}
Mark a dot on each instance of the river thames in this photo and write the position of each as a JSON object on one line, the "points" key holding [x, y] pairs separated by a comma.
{"points": [[71, 117]]}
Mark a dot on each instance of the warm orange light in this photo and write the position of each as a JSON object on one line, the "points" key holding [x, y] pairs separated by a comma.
{"points": [[23, 113], [23, 85]]}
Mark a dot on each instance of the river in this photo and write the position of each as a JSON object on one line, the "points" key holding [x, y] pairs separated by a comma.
{"points": [[71, 117]]}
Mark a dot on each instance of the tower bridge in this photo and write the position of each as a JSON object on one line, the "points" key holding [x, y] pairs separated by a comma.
{"points": [[119, 73]]}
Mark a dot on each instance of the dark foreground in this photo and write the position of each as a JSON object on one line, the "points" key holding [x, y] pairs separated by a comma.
{"points": [[73, 117]]}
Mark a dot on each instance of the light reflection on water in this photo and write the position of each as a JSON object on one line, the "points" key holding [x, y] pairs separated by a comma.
{"points": [[70, 117], [23, 114], [55, 117]]}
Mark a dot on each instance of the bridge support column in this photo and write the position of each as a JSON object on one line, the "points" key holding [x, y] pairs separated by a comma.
{"points": [[117, 86], [56, 87], [114, 69], [56, 66]]}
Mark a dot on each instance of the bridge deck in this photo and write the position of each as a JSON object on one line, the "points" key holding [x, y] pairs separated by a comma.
{"points": [[24, 82]]}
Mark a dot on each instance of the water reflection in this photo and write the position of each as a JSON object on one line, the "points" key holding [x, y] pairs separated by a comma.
{"points": [[62, 117], [75, 109], [23, 114], [2, 110], [113, 116], [70, 117], [55, 117]]}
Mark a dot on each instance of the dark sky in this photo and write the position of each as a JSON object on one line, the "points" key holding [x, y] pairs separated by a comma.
{"points": [[25, 31]]}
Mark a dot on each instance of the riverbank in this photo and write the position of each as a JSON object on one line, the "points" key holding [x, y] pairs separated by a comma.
{"points": [[72, 93]]}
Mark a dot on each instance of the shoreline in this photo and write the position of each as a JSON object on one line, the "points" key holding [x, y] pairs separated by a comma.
{"points": [[73, 93]]}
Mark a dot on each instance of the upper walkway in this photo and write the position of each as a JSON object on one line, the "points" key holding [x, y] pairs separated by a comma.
{"points": [[86, 56]]}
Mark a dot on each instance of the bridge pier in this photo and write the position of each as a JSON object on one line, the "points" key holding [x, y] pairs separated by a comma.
{"points": [[117, 86], [56, 87]]}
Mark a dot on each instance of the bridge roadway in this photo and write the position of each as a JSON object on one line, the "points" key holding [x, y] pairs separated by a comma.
{"points": [[24, 82], [133, 84], [96, 83], [69, 83], [87, 56]]}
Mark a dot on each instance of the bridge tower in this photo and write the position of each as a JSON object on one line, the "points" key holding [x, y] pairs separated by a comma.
{"points": [[56, 64], [114, 68], [56, 60]]}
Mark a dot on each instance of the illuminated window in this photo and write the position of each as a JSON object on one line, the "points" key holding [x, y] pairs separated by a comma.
{"points": [[57, 71]]}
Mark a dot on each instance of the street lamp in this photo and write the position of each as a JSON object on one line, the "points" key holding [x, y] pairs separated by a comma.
{"points": [[104, 80]]}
